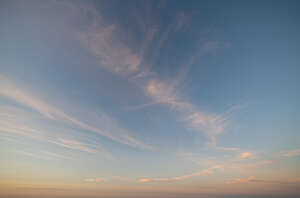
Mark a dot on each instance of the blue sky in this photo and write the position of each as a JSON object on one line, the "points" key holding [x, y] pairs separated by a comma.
{"points": [[149, 98]]}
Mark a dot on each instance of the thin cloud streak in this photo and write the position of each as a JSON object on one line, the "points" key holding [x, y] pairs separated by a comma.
{"points": [[18, 123], [252, 179], [72, 144], [208, 171], [227, 148], [13, 92], [265, 162], [94, 180], [246, 166], [241, 180], [291, 153], [44, 155]]}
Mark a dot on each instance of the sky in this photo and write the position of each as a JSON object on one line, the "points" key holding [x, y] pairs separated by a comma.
{"points": [[160, 99]]}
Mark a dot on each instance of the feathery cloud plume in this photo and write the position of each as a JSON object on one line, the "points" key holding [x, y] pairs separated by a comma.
{"points": [[209, 123], [112, 54], [13, 92], [15, 122], [102, 40]]}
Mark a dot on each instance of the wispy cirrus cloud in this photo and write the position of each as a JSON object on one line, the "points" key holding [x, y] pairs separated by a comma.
{"points": [[264, 161], [253, 179], [85, 23], [244, 161], [80, 146], [112, 54], [252, 165], [20, 129], [102, 39], [17, 122], [44, 155], [241, 180], [199, 158], [208, 171], [210, 124], [72, 144], [9, 90]]}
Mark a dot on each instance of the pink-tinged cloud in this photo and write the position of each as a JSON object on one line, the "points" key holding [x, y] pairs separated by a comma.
{"points": [[10, 122], [113, 55], [103, 41], [252, 165], [94, 180], [246, 155], [85, 23], [208, 171], [73, 144], [17, 121], [44, 155], [144, 180], [208, 123], [112, 130], [240, 180], [253, 179]]}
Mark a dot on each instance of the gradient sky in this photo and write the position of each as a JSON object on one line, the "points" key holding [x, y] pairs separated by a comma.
{"points": [[149, 99]]}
